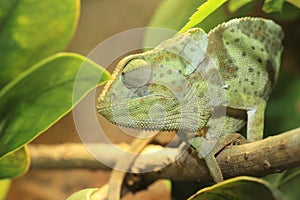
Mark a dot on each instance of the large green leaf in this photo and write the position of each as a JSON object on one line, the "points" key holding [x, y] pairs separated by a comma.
{"points": [[240, 188], [288, 182], [4, 187], [202, 12], [174, 14], [14, 164], [31, 30], [42, 95]]}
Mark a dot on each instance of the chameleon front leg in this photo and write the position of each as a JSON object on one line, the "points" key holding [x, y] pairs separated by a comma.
{"points": [[210, 159], [255, 108]]}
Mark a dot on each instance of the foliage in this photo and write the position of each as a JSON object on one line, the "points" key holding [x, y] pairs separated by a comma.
{"points": [[242, 187], [36, 87], [36, 81]]}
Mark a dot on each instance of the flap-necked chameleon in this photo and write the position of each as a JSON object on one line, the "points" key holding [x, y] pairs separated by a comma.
{"points": [[204, 86]]}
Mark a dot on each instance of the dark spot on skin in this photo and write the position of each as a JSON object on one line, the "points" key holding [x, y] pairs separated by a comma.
{"points": [[271, 72], [237, 40], [230, 61], [262, 50], [244, 54], [180, 71], [245, 90], [259, 60], [169, 71], [250, 69], [161, 66], [235, 90], [240, 82], [252, 83], [258, 73], [227, 43], [232, 30], [201, 95], [178, 89], [255, 92], [246, 79], [252, 47]]}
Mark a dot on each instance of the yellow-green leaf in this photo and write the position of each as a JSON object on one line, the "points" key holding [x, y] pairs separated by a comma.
{"points": [[202, 12], [85, 194], [294, 2], [234, 5], [31, 30], [42, 95], [14, 164], [240, 188], [4, 188]]}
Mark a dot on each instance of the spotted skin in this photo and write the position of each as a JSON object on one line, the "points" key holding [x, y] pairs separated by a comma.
{"points": [[204, 86]]}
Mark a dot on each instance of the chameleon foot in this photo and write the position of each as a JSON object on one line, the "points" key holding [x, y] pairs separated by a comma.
{"points": [[210, 159]]}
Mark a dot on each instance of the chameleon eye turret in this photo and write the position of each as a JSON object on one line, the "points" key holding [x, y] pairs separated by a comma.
{"points": [[136, 73]]}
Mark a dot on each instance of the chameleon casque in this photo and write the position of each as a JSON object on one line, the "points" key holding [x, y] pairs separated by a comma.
{"points": [[204, 86]]}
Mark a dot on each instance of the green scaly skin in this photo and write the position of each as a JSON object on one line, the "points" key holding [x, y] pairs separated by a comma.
{"points": [[188, 83]]}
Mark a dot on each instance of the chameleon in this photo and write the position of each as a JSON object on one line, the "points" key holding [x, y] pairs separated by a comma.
{"points": [[204, 86]]}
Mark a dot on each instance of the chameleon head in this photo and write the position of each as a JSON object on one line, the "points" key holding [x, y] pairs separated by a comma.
{"points": [[160, 89]]}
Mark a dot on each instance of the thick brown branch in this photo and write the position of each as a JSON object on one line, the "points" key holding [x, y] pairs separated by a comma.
{"points": [[270, 155]]}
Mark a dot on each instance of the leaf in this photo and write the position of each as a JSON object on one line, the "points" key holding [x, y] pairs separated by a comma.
{"points": [[273, 6], [85, 194], [14, 164], [294, 2], [234, 5], [42, 95], [31, 30], [202, 12], [240, 188], [173, 14], [287, 181], [4, 188]]}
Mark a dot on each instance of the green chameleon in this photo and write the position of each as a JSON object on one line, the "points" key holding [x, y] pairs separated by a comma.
{"points": [[204, 86]]}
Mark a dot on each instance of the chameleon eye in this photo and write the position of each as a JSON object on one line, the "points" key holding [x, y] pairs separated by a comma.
{"points": [[136, 73]]}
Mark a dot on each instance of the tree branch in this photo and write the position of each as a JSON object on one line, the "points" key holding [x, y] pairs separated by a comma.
{"points": [[273, 154]]}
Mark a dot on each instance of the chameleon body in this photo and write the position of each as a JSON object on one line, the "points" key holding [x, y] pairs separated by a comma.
{"points": [[204, 86]]}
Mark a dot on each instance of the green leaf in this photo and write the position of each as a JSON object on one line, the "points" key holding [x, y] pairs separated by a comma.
{"points": [[173, 14], [4, 188], [85, 194], [202, 12], [273, 6], [234, 5], [287, 181], [14, 164], [42, 95], [31, 30], [240, 188], [294, 2]]}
